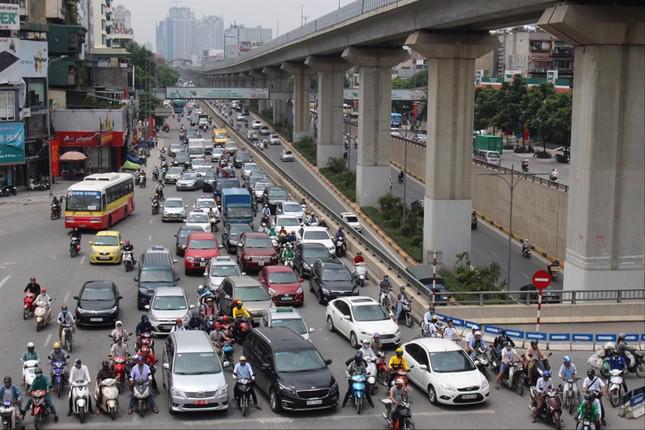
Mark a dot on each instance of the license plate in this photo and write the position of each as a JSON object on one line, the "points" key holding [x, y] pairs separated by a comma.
{"points": [[287, 297], [200, 402], [96, 319], [260, 262], [469, 396], [314, 402], [202, 264]]}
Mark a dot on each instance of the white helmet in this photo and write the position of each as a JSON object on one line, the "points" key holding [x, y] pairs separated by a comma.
{"points": [[478, 333], [31, 345], [610, 345]]}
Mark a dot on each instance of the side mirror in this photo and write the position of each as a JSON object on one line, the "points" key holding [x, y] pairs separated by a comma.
{"points": [[328, 361], [174, 260], [146, 307], [311, 329], [90, 242], [265, 366], [347, 318], [423, 367], [191, 307], [226, 364], [166, 366]]}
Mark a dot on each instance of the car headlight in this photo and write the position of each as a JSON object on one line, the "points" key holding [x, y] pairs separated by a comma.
{"points": [[306, 265], [81, 311], [177, 393], [288, 388], [324, 290], [190, 258], [272, 292], [361, 277], [114, 308], [485, 385], [447, 387], [223, 390], [299, 290]]}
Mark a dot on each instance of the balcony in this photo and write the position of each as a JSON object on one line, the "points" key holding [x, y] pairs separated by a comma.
{"points": [[65, 39]]}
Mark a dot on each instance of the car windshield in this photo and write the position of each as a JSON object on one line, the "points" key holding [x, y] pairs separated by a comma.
{"points": [[97, 293], [156, 275], [250, 166], [83, 201], [258, 242], [169, 303], [218, 151], [196, 150], [205, 204], [243, 156], [106, 241], [282, 278], [237, 229], [203, 244], [294, 324], [221, 185], [198, 218], [260, 186], [450, 361], [291, 207], [298, 361], [315, 252], [351, 219], [336, 275], [173, 203], [196, 363], [278, 195], [189, 176], [373, 312], [251, 294], [316, 235], [221, 270], [175, 171], [288, 222], [186, 230]]}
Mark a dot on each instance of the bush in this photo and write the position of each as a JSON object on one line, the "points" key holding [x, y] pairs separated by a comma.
{"points": [[411, 243], [543, 154], [307, 149], [468, 278], [342, 178]]}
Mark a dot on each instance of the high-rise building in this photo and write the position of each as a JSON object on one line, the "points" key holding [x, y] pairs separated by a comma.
{"points": [[239, 39], [213, 31], [181, 36], [122, 33]]}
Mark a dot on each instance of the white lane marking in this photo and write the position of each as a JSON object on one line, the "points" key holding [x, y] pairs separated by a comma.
{"points": [[66, 297], [82, 260], [4, 281], [49, 338], [149, 237], [151, 221]]}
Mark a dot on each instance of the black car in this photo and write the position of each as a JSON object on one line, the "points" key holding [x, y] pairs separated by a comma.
{"points": [[290, 370], [156, 269], [97, 303], [531, 295], [306, 255], [208, 182], [231, 234], [182, 235], [240, 158], [330, 279], [181, 159], [273, 195]]}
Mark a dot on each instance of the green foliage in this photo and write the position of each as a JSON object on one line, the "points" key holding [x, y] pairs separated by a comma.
{"points": [[307, 149], [409, 236], [147, 104], [90, 102], [342, 178], [418, 80], [468, 278]]}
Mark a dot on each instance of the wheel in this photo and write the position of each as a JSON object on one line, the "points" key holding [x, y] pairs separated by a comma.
{"points": [[557, 421], [432, 395], [408, 424], [359, 403], [53, 216], [408, 319], [519, 387], [614, 397], [640, 369], [571, 408], [353, 341], [113, 414], [330, 324], [69, 345], [38, 421], [59, 389], [243, 406], [25, 314], [274, 401], [81, 415], [311, 288]]}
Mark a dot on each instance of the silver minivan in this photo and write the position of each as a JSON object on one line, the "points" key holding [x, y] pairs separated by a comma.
{"points": [[193, 373], [492, 157]]}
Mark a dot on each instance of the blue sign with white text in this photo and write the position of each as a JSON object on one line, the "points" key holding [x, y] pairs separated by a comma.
{"points": [[536, 336], [606, 337], [12, 143], [582, 337]]}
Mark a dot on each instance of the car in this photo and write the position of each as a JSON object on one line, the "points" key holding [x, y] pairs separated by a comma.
{"points": [[257, 176], [205, 202], [255, 124], [306, 255], [97, 303], [231, 148], [208, 181], [291, 208], [427, 276], [240, 158], [255, 250], [247, 169], [358, 318], [156, 269], [106, 247], [193, 373], [274, 139], [351, 219], [330, 279], [274, 195], [199, 218], [290, 370], [442, 369], [282, 284], [265, 130], [290, 223], [287, 155], [258, 189], [219, 268], [217, 154], [254, 298], [173, 209], [182, 235], [200, 162], [182, 159], [241, 117], [318, 235], [188, 181], [174, 148], [200, 248], [173, 174], [286, 316], [166, 305], [231, 234], [549, 295]]}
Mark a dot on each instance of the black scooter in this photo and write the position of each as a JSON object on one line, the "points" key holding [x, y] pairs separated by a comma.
{"points": [[8, 190]]}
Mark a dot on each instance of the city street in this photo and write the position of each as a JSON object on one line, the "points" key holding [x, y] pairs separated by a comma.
{"points": [[34, 245]]}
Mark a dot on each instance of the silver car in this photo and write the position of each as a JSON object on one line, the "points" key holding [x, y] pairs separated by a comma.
{"points": [[174, 209], [173, 174], [166, 305], [193, 374], [218, 269], [217, 154], [187, 181], [255, 298], [247, 169]]}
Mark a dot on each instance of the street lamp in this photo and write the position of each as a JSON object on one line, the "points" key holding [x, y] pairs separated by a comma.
{"points": [[405, 171], [51, 178]]}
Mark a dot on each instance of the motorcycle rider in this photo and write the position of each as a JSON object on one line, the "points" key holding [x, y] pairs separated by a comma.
{"points": [[42, 299], [287, 253], [195, 321], [119, 348], [628, 353], [141, 373], [397, 362], [357, 366], [430, 322], [501, 340], [128, 247], [588, 411], [239, 311], [266, 212], [79, 372], [401, 300], [179, 326], [376, 342], [64, 318], [243, 370], [617, 362], [597, 387], [218, 337], [358, 258], [144, 326], [209, 309], [508, 353], [75, 233], [475, 344], [119, 332], [33, 287], [450, 332], [543, 386], [385, 286], [397, 394], [55, 206], [30, 353], [40, 382], [568, 371], [533, 351], [526, 247], [9, 392]]}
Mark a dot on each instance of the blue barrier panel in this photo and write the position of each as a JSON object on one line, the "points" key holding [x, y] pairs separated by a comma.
{"points": [[582, 337], [442, 317], [605, 337], [517, 334], [643, 337], [471, 324], [458, 322], [631, 337], [559, 337], [535, 336], [492, 329]]}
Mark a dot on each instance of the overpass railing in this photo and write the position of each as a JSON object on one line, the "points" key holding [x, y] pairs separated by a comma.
{"points": [[570, 297]]}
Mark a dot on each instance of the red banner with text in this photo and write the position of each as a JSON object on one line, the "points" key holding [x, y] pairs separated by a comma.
{"points": [[54, 156]]}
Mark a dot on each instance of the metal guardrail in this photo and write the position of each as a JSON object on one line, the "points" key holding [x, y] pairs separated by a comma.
{"points": [[571, 297]]}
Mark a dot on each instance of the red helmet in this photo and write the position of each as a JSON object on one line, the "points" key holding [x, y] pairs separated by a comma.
{"points": [[43, 290], [145, 349], [224, 318]]}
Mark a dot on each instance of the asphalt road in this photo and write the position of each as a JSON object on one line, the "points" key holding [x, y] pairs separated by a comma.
{"points": [[34, 245]]}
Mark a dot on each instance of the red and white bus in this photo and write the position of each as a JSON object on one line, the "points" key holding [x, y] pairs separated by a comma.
{"points": [[99, 201]]}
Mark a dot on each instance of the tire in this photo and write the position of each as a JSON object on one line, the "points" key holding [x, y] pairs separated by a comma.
{"points": [[53, 216], [359, 404], [274, 401], [25, 314], [113, 414], [519, 387], [59, 389], [408, 424], [38, 421], [408, 319], [571, 406], [81, 415], [640, 369], [557, 422], [614, 397], [330, 324], [244, 405], [353, 341], [432, 395]]}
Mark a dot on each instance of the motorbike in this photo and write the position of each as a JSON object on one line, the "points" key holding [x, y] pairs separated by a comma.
{"points": [[214, 221], [360, 274], [80, 399], [58, 377], [29, 372], [372, 372], [142, 181], [227, 352], [585, 425], [39, 409], [241, 329], [381, 368], [514, 378], [120, 367], [473, 222], [404, 412], [55, 212], [28, 305], [8, 190], [155, 175], [494, 359], [526, 251], [244, 392], [141, 392], [288, 262], [154, 206], [128, 260], [340, 247], [166, 128], [66, 336], [405, 315], [569, 400], [74, 247], [384, 299], [8, 415], [525, 166], [110, 397], [34, 185], [551, 411], [615, 387], [398, 373], [481, 361], [145, 339], [42, 315], [358, 391]]}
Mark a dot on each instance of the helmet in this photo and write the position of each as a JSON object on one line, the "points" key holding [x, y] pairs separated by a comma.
{"points": [[621, 336], [566, 359], [546, 374], [590, 397], [508, 346], [238, 303], [118, 324], [105, 364], [224, 318], [376, 335], [7, 380], [399, 381], [478, 333], [139, 358], [77, 362], [503, 332], [242, 358], [366, 342], [30, 345], [43, 290], [399, 351], [177, 320], [591, 373], [609, 345], [200, 288], [434, 318], [359, 253], [144, 318], [63, 307], [32, 279], [56, 345], [534, 343], [358, 357], [126, 243]]}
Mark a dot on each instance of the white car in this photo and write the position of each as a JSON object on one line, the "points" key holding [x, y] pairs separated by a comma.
{"points": [[248, 168], [351, 219], [290, 223], [287, 155], [359, 317], [217, 154], [286, 316], [318, 235], [258, 190], [274, 139], [240, 117], [218, 269], [199, 218], [442, 369], [291, 208], [205, 203], [256, 124]]}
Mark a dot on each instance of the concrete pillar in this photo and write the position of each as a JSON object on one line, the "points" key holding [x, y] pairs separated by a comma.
{"points": [[279, 94], [605, 225], [301, 83], [451, 95], [331, 83], [260, 81], [374, 109]]}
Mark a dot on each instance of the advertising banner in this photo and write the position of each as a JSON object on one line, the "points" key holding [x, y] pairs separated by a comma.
{"points": [[75, 139], [9, 60], [9, 16], [12, 143], [89, 119], [33, 59], [397, 95], [216, 93], [54, 154]]}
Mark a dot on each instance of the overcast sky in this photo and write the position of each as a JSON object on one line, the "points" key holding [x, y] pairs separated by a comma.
{"points": [[284, 14]]}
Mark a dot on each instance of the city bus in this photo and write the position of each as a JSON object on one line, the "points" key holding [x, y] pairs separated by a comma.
{"points": [[220, 136], [99, 201], [396, 119], [178, 105]]}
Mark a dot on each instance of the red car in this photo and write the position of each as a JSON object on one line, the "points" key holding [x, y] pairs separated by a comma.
{"points": [[282, 284], [200, 248], [255, 250]]}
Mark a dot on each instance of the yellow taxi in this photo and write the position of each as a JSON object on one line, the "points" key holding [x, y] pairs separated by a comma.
{"points": [[106, 247], [220, 136]]}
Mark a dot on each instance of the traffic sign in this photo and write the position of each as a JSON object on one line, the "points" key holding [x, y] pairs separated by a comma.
{"points": [[541, 279]]}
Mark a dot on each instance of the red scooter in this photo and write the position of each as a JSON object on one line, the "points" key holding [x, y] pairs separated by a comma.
{"points": [[28, 305], [241, 328], [120, 367], [145, 339], [39, 409], [381, 368]]}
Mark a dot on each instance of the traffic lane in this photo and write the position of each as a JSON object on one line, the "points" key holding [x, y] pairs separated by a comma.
{"points": [[539, 167]]}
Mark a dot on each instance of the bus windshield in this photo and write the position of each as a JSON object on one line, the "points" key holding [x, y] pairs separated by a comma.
{"points": [[83, 201]]}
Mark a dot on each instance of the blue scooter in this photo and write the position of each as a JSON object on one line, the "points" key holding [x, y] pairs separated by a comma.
{"points": [[58, 370], [358, 391]]}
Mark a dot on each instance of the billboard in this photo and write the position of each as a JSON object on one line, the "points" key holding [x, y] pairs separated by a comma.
{"points": [[9, 59], [397, 95], [12, 143], [216, 93], [9, 16], [89, 119], [33, 58]]}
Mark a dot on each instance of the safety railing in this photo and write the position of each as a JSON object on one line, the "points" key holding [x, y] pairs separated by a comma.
{"points": [[531, 297]]}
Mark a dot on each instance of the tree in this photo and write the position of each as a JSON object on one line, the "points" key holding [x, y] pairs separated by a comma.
{"points": [[532, 104], [556, 119], [485, 107], [509, 102]]}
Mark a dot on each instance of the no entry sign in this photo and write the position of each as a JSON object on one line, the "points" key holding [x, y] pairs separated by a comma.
{"points": [[541, 279]]}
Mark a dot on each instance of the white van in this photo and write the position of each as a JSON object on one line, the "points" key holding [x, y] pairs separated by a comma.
{"points": [[492, 157], [197, 148]]}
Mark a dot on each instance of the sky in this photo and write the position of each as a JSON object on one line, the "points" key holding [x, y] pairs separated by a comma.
{"points": [[283, 15]]}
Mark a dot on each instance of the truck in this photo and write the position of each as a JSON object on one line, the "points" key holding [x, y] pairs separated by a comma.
{"points": [[220, 137], [484, 142], [237, 206]]}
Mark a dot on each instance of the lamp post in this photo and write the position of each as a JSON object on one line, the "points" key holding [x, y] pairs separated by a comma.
{"points": [[51, 178]]}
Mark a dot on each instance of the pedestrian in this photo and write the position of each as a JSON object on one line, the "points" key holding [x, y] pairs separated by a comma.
{"points": [[390, 187]]}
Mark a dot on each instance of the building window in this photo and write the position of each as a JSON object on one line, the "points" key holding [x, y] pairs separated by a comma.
{"points": [[7, 105], [102, 24], [36, 93]]}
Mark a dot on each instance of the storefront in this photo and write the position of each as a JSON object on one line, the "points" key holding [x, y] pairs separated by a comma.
{"points": [[12, 153]]}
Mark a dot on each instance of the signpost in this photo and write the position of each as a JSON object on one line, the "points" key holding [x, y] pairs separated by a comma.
{"points": [[541, 279]]}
